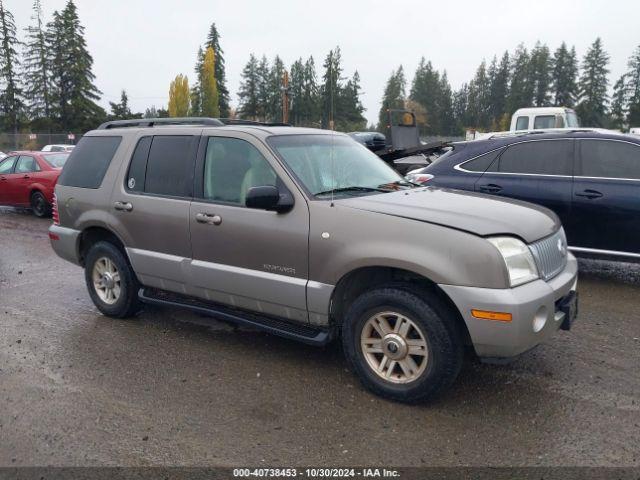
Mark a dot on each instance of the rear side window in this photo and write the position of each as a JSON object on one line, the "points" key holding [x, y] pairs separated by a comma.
{"points": [[138, 166], [482, 163], [170, 165], [522, 123], [26, 164], [544, 157], [609, 159], [89, 161]]}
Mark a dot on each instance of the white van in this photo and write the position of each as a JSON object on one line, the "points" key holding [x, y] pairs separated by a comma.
{"points": [[536, 118]]}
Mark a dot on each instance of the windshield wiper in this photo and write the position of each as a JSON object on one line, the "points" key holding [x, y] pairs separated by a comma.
{"points": [[353, 188], [403, 183]]}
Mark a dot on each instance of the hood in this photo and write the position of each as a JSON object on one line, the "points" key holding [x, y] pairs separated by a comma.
{"points": [[476, 213]]}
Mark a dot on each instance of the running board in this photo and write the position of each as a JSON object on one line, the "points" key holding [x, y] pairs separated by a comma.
{"points": [[294, 331]]}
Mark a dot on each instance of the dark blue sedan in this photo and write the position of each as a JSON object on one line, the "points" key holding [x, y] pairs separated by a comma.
{"points": [[591, 179]]}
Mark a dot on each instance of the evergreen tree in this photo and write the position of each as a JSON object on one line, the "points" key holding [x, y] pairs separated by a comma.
{"points": [[619, 104], [565, 76], [478, 107], [593, 85], [296, 89], [210, 106], [274, 88], [498, 90], [541, 70], [351, 109], [394, 97], [460, 108], [310, 97], [213, 41], [11, 104], [445, 107], [330, 89], [179, 97], [425, 90], [121, 111], [196, 90], [153, 112], [521, 89], [73, 91], [249, 90], [264, 92], [36, 68], [633, 88]]}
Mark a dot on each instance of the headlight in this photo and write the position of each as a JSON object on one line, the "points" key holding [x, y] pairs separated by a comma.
{"points": [[518, 259]]}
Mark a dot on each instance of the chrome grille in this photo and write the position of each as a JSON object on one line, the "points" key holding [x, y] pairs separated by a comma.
{"points": [[550, 254]]}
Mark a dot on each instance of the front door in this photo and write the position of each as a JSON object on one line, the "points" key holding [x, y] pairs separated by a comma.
{"points": [[24, 175], [247, 258], [537, 171], [6, 167], [606, 196], [151, 208]]}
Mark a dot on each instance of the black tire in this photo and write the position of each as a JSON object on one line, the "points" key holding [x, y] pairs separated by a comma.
{"points": [[39, 205], [436, 323], [127, 303]]}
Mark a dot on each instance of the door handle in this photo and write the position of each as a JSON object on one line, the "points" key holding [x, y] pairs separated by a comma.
{"points": [[123, 206], [26, 176], [590, 194], [490, 188], [208, 218], [3, 178]]}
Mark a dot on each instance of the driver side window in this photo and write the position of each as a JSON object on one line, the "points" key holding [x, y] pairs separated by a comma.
{"points": [[232, 166]]}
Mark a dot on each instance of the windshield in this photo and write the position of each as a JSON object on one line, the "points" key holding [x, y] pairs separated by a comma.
{"points": [[57, 160], [333, 162]]}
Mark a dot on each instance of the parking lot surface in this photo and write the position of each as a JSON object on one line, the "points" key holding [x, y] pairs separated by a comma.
{"points": [[175, 388]]}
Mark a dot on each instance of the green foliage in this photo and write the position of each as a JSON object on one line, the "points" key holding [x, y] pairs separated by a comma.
{"points": [[619, 104], [213, 41], [541, 70], [249, 90], [633, 89], [121, 111], [593, 86], [210, 105], [393, 98], [11, 104], [522, 86], [565, 76], [36, 68], [179, 97]]}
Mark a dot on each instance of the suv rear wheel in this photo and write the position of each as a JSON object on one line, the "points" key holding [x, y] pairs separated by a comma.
{"points": [[401, 343], [111, 282]]}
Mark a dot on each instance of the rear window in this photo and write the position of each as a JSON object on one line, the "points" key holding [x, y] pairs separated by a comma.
{"points": [[482, 163], [89, 161], [57, 160], [544, 121]]}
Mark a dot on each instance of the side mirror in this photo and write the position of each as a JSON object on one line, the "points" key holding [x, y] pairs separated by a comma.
{"points": [[268, 197]]}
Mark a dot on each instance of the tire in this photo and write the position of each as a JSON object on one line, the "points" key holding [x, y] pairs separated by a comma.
{"points": [[429, 330], [107, 269], [39, 205]]}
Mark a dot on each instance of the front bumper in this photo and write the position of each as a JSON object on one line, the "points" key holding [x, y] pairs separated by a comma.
{"points": [[64, 242], [535, 308]]}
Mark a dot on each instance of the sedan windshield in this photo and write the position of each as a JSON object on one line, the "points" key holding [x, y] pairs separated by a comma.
{"points": [[335, 164], [57, 160]]}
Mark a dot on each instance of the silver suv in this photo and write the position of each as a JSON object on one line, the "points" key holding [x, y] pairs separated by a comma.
{"points": [[307, 234]]}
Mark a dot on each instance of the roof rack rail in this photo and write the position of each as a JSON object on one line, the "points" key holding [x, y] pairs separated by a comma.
{"points": [[152, 122], [541, 131], [207, 121]]}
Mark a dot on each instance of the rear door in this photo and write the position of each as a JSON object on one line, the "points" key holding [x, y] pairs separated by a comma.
{"points": [[606, 196], [537, 171], [248, 258], [151, 207], [6, 168]]}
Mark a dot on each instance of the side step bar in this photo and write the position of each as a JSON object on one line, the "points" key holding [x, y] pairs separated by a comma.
{"points": [[294, 331]]}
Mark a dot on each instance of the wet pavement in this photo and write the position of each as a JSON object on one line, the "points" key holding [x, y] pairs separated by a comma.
{"points": [[174, 388]]}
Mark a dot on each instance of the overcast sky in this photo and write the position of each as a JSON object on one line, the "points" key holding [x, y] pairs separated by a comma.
{"points": [[141, 45]]}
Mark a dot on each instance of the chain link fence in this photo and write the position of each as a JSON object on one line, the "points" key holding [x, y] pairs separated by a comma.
{"points": [[35, 141]]}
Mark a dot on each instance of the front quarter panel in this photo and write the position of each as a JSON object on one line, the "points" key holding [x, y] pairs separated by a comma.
{"points": [[343, 239]]}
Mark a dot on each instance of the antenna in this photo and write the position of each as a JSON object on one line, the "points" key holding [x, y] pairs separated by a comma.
{"points": [[331, 126]]}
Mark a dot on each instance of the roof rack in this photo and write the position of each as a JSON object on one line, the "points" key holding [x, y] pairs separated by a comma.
{"points": [[541, 131], [212, 122]]}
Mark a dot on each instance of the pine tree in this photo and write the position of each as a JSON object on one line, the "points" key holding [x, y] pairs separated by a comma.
{"points": [[11, 104], [633, 88], [445, 107], [619, 104], [479, 97], [274, 95], [425, 90], [331, 87], [310, 97], [179, 97], [36, 68], [210, 105], [541, 69], [594, 99], [498, 90], [394, 96], [565, 76], [196, 89], [460, 107], [73, 91], [213, 41], [296, 92], [350, 107], [263, 88], [122, 111], [249, 90], [521, 89]]}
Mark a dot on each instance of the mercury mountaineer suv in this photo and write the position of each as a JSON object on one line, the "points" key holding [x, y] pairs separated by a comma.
{"points": [[307, 234]]}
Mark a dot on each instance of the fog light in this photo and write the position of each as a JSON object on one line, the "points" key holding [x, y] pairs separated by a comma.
{"points": [[540, 319]]}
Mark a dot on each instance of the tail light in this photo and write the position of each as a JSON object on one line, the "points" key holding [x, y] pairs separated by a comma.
{"points": [[54, 211], [420, 178]]}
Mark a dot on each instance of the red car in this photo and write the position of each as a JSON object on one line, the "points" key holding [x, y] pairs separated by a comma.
{"points": [[27, 179]]}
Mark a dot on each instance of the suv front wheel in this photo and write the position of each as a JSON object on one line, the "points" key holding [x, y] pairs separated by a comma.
{"points": [[111, 282], [402, 343]]}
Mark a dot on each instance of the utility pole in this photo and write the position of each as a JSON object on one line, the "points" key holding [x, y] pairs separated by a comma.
{"points": [[285, 97]]}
